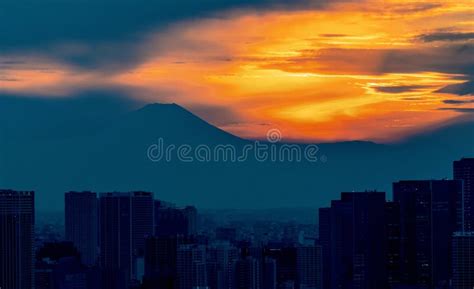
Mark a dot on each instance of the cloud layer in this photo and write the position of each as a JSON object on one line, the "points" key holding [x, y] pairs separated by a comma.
{"points": [[377, 70]]}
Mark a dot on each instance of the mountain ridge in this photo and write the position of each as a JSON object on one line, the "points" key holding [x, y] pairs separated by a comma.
{"points": [[114, 158]]}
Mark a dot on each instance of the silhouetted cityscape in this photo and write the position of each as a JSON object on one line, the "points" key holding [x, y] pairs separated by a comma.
{"points": [[422, 238]]}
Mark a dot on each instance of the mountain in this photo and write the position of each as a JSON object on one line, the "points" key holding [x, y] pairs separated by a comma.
{"points": [[103, 144]]}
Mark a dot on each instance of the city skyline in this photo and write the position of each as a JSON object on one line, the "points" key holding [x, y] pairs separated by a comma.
{"points": [[419, 238]]}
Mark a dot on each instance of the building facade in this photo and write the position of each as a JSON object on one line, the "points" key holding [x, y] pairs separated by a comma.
{"points": [[428, 218], [17, 220], [464, 170], [463, 260], [81, 224]]}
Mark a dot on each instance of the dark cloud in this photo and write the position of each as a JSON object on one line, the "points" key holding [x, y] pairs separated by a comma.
{"points": [[415, 8], [452, 59], [466, 88], [444, 59], [459, 109], [458, 101], [2, 78], [330, 35], [101, 31], [399, 89], [445, 36]]}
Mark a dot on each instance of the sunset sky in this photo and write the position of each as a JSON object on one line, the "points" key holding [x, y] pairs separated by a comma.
{"points": [[316, 70]]}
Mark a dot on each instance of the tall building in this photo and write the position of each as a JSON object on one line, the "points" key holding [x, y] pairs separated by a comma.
{"points": [[392, 221], [428, 219], [357, 241], [309, 265], [81, 218], [464, 170], [124, 225], [17, 219], [463, 260], [142, 220]]}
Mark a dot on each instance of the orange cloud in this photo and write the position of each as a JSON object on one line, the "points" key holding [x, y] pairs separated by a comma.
{"points": [[316, 75]]}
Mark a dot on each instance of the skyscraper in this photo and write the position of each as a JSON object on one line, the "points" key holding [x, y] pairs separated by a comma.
{"points": [[463, 260], [464, 170], [142, 220], [357, 247], [81, 218], [392, 221], [428, 219], [125, 222], [17, 219]]}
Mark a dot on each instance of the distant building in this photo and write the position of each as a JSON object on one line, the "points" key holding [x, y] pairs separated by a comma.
{"points": [[247, 274], [125, 222], [286, 259], [220, 259], [191, 267], [269, 274], [171, 221], [428, 219], [160, 261], [17, 220], [463, 260], [464, 170], [81, 218], [58, 266], [226, 234]]}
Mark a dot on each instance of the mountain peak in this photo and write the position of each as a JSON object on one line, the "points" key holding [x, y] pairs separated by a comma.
{"points": [[159, 106], [174, 121], [164, 110]]}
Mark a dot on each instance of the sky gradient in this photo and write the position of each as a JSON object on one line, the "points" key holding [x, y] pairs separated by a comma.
{"points": [[316, 70]]}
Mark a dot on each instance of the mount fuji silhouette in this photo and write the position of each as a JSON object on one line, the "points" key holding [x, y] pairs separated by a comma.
{"points": [[100, 143]]}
